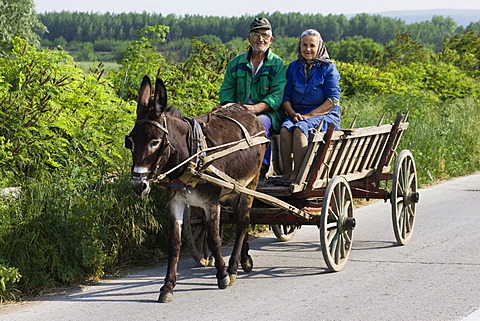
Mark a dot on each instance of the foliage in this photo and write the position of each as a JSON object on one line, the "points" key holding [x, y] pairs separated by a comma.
{"points": [[463, 51], [63, 230], [353, 49], [432, 32], [404, 66], [18, 19], [8, 277], [90, 27], [140, 59], [54, 116], [192, 85]]}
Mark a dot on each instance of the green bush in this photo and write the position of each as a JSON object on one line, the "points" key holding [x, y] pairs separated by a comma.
{"points": [[8, 277], [61, 231], [55, 116]]}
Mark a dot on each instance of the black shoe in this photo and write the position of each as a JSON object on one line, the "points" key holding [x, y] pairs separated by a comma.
{"points": [[263, 173]]}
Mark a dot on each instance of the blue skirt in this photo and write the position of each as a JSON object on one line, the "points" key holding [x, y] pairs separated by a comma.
{"points": [[308, 125]]}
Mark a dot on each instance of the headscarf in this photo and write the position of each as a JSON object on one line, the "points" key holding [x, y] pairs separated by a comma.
{"points": [[322, 54]]}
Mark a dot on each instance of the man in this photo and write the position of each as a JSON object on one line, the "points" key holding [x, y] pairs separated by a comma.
{"points": [[256, 79]]}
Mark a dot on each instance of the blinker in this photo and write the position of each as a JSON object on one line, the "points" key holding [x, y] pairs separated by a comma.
{"points": [[128, 142]]}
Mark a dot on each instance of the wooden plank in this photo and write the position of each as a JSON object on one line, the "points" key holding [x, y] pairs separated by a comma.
{"points": [[340, 158], [368, 153], [358, 162], [359, 146], [349, 156], [377, 151]]}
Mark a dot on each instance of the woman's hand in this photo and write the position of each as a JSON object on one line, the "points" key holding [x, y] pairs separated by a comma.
{"points": [[297, 117]]}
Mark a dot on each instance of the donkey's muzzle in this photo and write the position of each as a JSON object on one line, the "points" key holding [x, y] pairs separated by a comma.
{"points": [[141, 186]]}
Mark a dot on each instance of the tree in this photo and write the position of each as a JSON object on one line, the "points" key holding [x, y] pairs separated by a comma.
{"points": [[352, 49], [463, 51], [402, 50], [18, 19]]}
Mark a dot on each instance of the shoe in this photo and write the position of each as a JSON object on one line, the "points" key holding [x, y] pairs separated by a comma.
{"points": [[263, 173], [262, 179]]}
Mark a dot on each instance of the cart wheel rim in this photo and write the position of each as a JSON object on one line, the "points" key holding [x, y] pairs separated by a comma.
{"points": [[196, 236], [404, 197], [337, 223], [284, 232]]}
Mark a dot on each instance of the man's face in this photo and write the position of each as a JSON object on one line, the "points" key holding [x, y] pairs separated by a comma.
{"points": [[260, 39]]}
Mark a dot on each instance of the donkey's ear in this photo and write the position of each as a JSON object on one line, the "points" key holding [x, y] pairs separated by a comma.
{"points": [[160, 97], [144, 97]]}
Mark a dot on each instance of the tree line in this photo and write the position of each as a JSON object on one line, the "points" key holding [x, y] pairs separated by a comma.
{"points": [[90, 27]]}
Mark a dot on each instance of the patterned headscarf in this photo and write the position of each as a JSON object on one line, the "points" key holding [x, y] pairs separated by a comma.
{"points": [[322, 54]]}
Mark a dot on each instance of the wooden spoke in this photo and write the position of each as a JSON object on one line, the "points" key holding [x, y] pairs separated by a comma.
{"points": [[404, 196], [335, 234]]}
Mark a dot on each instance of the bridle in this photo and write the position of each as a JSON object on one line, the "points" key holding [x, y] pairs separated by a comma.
{"points": [[166, 146]]}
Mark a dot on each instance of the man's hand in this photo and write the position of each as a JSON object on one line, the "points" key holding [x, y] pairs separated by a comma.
{"points": [[258, 108]]}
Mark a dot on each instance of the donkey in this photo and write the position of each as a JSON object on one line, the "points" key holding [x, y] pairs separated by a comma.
{"points": [[164, 144]]}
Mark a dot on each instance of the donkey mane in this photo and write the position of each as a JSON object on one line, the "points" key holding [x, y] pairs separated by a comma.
{"points": [[174, 111]]}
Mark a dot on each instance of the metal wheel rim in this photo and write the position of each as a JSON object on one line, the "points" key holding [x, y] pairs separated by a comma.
{"points": [[403, 186], [335, 237]]}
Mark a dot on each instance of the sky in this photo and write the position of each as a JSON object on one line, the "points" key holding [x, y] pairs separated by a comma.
{"points": [[224, 8]]}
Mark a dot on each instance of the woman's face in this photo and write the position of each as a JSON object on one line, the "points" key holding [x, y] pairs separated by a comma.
{"points": [[309, 47]]}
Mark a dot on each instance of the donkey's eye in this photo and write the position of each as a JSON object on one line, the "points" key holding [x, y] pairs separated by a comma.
{"points": [[154, 143]]}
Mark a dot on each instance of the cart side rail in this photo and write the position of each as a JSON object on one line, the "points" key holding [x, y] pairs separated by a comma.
{"points": [[352, 153]]}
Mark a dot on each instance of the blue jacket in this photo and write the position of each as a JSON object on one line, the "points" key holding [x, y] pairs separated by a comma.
{"points": [[307, 94]]}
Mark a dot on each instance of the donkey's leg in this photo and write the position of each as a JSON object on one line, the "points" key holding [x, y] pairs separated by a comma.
{"points": [[212, 218], [246, 259], [242, 212], [174, 243]]}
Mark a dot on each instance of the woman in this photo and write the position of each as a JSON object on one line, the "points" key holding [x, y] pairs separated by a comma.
{"points": [[312, 95]]}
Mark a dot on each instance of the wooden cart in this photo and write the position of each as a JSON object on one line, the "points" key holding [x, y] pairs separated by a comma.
{"points": [[339, 166]]}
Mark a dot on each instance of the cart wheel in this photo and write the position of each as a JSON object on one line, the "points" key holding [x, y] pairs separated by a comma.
{"points": [[196, 237], [404, 196], [337, 223], [284, 232]]}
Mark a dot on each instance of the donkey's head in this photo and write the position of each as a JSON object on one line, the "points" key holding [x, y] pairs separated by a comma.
{"points": [[148, 140]]}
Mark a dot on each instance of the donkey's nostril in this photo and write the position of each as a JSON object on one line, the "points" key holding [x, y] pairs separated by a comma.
{"points": [[144, 186]]}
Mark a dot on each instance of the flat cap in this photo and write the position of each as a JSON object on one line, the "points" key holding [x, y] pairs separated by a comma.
{"points": [[260, 23]]}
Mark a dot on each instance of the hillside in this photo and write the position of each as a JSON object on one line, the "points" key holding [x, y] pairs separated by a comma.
{"points": [[462, 17]]}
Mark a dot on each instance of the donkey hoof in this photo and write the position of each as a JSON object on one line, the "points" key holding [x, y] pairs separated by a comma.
{"points": [[247, 266], [211, 261], [203, 262], [165, 296], [233, 278], [223, 283]]}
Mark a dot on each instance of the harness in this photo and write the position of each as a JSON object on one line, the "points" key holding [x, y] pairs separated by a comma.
{"points": [[198, 162]]}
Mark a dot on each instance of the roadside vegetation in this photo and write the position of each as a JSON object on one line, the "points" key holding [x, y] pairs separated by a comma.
{"points": [[63, 125]]}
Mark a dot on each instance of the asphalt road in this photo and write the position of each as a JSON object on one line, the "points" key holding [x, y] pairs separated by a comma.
{"points": [[435, 277]]}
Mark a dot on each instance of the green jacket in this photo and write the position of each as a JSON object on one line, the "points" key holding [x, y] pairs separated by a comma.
{"points": [[267, 85]]}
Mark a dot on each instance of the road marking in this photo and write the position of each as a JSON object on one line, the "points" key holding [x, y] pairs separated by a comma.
{"points": [[474, 316]]}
